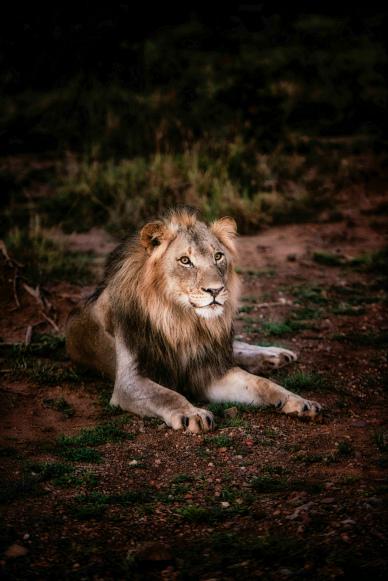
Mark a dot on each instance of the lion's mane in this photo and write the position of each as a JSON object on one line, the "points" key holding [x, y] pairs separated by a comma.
{"points": [[173, 346]]}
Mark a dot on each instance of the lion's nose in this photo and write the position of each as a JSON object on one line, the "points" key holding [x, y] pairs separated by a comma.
{"points": [[213, 291]]}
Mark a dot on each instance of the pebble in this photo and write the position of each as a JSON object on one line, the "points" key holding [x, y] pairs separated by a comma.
{"points": [[15, 551], [231, 412]]}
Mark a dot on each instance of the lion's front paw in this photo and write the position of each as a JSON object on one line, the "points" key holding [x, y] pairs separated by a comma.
{"points": [[300, 407], [196, 420], [276, 357]]}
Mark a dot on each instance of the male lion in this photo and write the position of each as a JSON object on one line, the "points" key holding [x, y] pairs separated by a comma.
{"points": [[160, 325]]}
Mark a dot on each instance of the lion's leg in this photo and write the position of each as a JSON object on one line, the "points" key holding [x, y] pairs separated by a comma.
{"points": [[243, 387], [144, 397], [88, 343], [256, 359]]}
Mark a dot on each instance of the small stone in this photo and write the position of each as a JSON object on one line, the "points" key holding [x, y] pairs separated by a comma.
{"points": [[153, 551], [231, 412], [225, 504], [15, 551], [133, 463], [26, 537]]}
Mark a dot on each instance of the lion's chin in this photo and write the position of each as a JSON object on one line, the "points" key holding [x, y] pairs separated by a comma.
{"points": [[210, 312]]}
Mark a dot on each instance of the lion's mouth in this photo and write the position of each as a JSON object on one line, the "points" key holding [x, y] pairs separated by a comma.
{"points": [[214, 303]]}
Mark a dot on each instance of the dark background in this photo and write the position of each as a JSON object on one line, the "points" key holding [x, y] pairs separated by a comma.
{"points": [[76, 75]]}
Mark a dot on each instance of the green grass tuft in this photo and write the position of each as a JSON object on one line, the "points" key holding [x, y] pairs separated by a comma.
{"points": [[60, 405], [328, 259], [304, 381], [108, 432], [221, 441]]}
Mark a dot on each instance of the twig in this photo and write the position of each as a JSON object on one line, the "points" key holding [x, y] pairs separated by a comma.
{"points": [[34, 292], [49, 320], [10, 261], [27, 339], [15, 291]]}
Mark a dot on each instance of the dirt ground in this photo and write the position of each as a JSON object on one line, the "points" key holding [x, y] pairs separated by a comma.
{"points": [[265, 496]]}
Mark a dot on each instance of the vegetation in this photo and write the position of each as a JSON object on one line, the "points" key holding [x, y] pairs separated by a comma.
{"points": [[44, 258]]}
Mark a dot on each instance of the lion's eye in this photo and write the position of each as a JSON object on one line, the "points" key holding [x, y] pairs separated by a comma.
{"points": [[218, 256], [185, 260]]}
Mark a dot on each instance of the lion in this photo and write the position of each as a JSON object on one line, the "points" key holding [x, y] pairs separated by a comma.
{"points": [[160, 325]]}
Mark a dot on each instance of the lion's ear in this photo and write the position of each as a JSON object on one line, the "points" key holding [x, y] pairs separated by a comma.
{"points": [[152, 234], [225, 229]]}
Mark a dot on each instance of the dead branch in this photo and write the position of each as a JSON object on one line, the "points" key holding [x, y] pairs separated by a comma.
{"points": [[49, 320]]}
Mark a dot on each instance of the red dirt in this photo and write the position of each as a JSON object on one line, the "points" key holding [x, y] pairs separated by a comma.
{"points": [[324, 521]]}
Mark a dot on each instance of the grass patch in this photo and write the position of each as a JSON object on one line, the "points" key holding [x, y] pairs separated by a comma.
{"points": [[49, 470], [310, 294], [246, 309], [306, 313], [199, 514], [88, 479], [60, 405], [345, 449], [194, 514], [222, 441], [235, 422], [274, 470], [43, 372], [277, 329], [182, 478], [43, 345], [108, 432], [79, 454], [8, 452], [94, 504], [347, 309], [226, 550], [364, 339], [79, 448], [380, 439], [47, 260], [328, 259], [310, 458], [268, 484], [299, 381], [33, 474]]}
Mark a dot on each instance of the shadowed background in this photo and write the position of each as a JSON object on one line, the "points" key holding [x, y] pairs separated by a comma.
{"points": [[246, 111]]}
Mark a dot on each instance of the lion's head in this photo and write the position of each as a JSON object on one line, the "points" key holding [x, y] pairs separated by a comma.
{"points": [[194, 262]]}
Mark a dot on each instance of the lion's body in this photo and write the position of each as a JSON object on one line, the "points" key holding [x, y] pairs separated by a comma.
{"points": [[161, 323]]}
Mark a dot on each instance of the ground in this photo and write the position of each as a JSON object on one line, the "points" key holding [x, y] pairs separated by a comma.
{"points": [[92, 494]]}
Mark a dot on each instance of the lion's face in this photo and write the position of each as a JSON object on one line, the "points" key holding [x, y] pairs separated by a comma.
{"points": [[197, 264]]}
